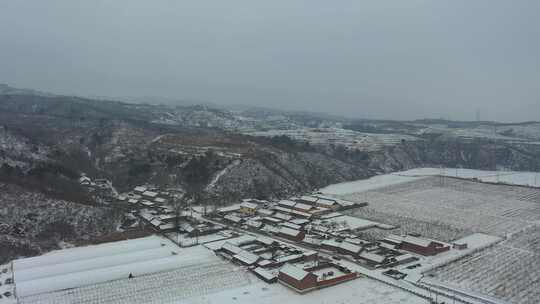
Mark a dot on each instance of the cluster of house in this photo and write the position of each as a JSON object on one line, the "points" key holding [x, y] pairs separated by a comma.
{"points": [[154, 209], [100, 186], [286, 218], [275, 261], [304, 220], [151, 206]]}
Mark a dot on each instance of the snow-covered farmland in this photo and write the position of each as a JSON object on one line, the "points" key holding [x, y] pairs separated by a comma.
{"points": [[379, 181], [367, 184], [360, 291], [507, 177], [507, 271], [406, 224], [436, 204]]}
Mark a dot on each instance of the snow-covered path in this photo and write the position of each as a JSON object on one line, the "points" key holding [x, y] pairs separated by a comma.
{"points": [[221, 173]]}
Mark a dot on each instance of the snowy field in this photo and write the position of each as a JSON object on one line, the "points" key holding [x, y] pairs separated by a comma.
{"points": [[508, 177], [507, 271], [446, 208], [367, 184], [375, 182]]}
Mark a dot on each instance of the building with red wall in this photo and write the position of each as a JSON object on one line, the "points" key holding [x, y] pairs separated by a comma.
{"points": [[296, 278]]}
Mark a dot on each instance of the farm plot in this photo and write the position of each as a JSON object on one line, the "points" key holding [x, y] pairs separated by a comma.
{"points": [[508, 270], [411, 186], [506, 273], [430, 229], [529, 240], [164, 287], [446, 202], [520, 193], [415, 210], [477, 203]]}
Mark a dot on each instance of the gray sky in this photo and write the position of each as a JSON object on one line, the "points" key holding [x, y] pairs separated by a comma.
{"points": [[371, 59]]}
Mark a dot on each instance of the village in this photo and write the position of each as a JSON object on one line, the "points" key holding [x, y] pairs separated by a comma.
{"points": [[300, 242], [304, 244]]}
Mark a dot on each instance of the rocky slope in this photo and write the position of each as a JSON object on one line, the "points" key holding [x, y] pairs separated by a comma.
{"points": [[32, 223]]}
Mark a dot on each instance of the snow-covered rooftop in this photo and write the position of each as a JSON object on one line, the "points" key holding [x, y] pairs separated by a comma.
{"points": [[150, 194], [248, 205], [266, 212], [265, 240], [294, 272], [302, 214], [303, 207], [231, 248], [287, 203], [282, 216], [291, 225], [307, 198], [299, 221], [350, 247], [233, 218], [229, 208], [264, 273], [372, 257], [289, 231], [326, 202], [247, 257], [140, 189]]}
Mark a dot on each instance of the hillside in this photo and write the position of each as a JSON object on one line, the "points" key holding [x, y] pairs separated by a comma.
{"points": [[47, 142]]}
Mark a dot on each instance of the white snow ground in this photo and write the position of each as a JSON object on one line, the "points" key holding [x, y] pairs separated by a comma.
{"points": [[359, 291], [379, 181]]}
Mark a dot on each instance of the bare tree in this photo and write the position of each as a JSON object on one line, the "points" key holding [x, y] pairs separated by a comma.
{"points": [[178, 205]]}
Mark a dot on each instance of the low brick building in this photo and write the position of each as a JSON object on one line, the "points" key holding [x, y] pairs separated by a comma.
{"points": [[291, 234], [417, 245], [297, 279]]}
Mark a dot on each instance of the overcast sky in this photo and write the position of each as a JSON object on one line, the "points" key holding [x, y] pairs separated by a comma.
{"points": [[370, 59]]}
